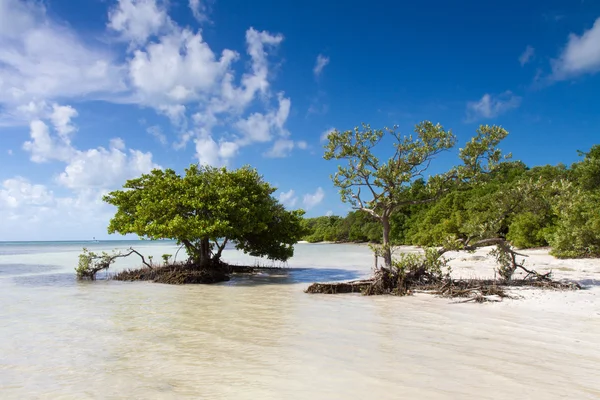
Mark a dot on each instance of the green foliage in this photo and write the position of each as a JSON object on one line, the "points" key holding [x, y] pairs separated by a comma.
{"points": [[166, 258], [506, 261], [485, 197], [528, 230], [399, 182], [387, 182], [91, 263], [578, 231], [357, 226], [430, 260], [577, 205], [587, 172], [203, 206]]}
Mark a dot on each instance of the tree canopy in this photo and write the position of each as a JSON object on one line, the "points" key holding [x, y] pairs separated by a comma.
{"points": [[381, 188], [204, 210], [546, 205]]}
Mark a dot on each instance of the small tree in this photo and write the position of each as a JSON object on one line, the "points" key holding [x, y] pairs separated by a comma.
{"points": [[204, 210], [388, 185]]}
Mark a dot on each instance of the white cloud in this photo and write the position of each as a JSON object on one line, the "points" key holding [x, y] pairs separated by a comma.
{"points": [[157, 133], [187, 67], [61, 119], [191, 74], [45, 147], [581, 55], [490, 106], [209, 152], [527, 55], [311, 200], [137, 20], [320, 64], [326, 133], [31, 210], [219, 106], [288, 198], [281, 148], [105, 168], [92, 168], [10, 152], [19, 192], [329, 213], [167, 67], [262, 127], [199, 10], [42, 59]]}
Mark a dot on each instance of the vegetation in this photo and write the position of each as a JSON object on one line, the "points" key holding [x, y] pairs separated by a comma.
{"points": [[548, 205], [203, 211], [388, 186], [485, 201]]}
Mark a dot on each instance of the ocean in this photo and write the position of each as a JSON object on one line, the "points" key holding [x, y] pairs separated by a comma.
{"points": [[262, 337]]}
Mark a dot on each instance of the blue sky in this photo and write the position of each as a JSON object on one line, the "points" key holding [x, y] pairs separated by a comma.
{"points": [[98, 91]]}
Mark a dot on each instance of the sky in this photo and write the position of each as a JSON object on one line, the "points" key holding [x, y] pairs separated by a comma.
{"points": [[95, 92]]}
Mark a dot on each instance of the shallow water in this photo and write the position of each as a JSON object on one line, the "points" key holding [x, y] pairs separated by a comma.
{"points": [[261, 337]]}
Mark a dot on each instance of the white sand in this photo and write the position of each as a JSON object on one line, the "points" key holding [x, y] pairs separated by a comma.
{"points": [[584, 271]]}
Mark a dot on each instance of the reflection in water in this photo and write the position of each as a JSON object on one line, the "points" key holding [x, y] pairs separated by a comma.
{"points": [[261, 337]]}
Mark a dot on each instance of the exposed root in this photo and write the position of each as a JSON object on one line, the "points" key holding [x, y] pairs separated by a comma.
{"points": [[176, 274], [185, 273], [340, 287], [419, 280]]}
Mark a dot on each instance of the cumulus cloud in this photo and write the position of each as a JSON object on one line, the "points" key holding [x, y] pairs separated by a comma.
{"points": [[527, 55], [199, 9], [187, 67], [29, 210], [137, 20], [490, 106], [194, 77], [320, 64], [19, 192], [281, 148], [288, 198], [92, 168], [199, 91], [42, 59], [61, 119], [44, 147], [221, 101], [157, 133], [581, 54], [311, 200]]}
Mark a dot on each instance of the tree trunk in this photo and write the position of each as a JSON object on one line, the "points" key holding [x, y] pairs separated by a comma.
{"points": [[387, 251], [204, 253], [199, 254], [220, 248]]}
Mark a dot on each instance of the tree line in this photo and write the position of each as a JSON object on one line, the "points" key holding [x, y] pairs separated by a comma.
{"points": [[551, 205]]}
